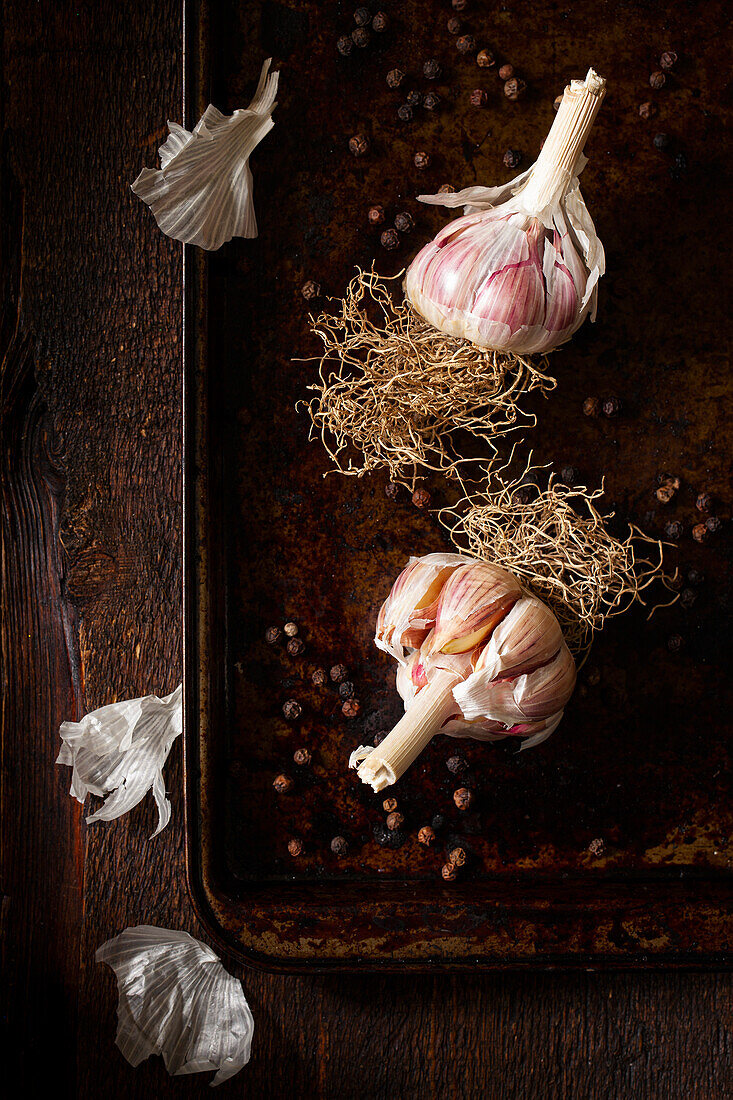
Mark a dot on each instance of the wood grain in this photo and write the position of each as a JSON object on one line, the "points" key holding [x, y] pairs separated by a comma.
{"points": [[91, 612]]}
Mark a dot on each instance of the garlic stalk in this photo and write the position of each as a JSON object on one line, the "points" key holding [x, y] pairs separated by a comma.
{"points": [[202, 193], [478, 657], [519, 271]]}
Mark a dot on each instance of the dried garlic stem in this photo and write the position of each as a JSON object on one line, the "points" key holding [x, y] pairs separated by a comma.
{"points": [[557, 161], [431, 708]]}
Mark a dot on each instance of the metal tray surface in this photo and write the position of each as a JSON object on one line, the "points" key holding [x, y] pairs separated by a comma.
{"points": [[642, 759]]}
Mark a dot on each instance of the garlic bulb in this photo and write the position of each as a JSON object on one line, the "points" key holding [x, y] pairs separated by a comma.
{"points": [[519, 272], [122, 748], [176, 999], [202, 193], [478, 657]]}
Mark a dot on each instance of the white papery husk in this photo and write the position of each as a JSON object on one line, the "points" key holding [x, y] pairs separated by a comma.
{"points": [[202, 192], [122, 748], [176, 999]]}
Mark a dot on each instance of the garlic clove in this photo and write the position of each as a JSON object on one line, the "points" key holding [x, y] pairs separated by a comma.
{"points": [[528, 637], [528, 697], [475, 598], [408, 614]]}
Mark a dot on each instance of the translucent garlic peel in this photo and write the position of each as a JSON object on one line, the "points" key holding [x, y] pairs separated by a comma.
{"points": [[202, 192], [407, 615], [519, 271], [121, 748], [176, 999], [494, 665]]}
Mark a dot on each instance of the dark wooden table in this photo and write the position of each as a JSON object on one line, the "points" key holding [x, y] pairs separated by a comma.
{"points": [[91, 579]]}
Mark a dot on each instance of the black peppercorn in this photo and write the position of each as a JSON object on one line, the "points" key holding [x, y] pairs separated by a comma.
{"points": [[466, 43], [421, 498], [403, 222], [713, 524], [674, 530], [569, 475], [380, 22], [390, 240], [395, 78], [360, 37], [457, 856], [282, 784], [295, 847], [319, 677], [350, 708], [556, 103], [485, 59], [389, 805], [700, 532], [446, 189], [647, 110], [339, 846], [426, 836], [273, 634], [704, 502], [512, 158], [414, 99], [361, 17], [478, 97], [346, 689], [668, 60], [675, 643], [437, 821], [292, 710], [431, 69], [310, 290], [421, 160], [339, 673], [456, 764], [379, 737], [291, 629], [449, 871], [394, 820], [611, 406], [454, 25], [514, 88], [522, 495], [431, 101], [392, 490], [592, 406], [375, 215], [344, 45], [295, 647], [695, 577], [657, 80], [505, 72], [688, 597], [661, 141], [358, 144], [463, 798], [404, 112], [302, 757]]}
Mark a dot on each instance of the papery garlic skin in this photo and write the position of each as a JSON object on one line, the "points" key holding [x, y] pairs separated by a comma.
{"points": [[176, 999], [202, 193], [519, 272], [408, 614], [493, 665], [121, 748]]}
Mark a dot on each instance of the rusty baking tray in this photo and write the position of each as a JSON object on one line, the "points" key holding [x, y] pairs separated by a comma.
{"points": [[641, 763]]}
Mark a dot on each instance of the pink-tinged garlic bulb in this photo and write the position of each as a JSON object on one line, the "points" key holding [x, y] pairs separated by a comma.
{"points": [[478, 657], [519, 272]]}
